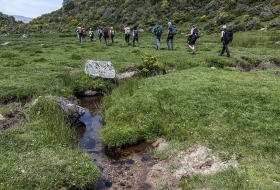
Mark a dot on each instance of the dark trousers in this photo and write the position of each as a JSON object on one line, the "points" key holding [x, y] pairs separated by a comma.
{"points": [[225, 48], [106, 38], [100, 37], [135, 39], [170, 45], [112, 38], [126, 37]]}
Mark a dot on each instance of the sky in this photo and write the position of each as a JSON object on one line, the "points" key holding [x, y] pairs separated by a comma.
{"points": [[29, 8]]}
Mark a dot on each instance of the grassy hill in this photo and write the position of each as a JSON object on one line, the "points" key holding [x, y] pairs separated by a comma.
{"points": [[241, 14]]}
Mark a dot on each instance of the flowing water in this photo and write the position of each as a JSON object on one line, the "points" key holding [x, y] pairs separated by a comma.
{"points": [[124, 168]]}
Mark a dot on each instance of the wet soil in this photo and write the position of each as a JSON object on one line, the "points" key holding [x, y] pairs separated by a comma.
{"points": [[124, 168]]}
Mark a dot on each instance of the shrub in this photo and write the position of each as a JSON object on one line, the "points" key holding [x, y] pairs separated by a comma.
{"points": [[203, 18], [150, 65]]}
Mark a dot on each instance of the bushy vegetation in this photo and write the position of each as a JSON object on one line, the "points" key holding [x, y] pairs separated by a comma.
{"points": [[244, 15]]}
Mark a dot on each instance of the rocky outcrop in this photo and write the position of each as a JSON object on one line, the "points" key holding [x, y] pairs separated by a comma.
{"points": [[103, 69]]}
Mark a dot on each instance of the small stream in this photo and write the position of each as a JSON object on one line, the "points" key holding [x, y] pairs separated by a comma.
{"points": [[124, 168]]}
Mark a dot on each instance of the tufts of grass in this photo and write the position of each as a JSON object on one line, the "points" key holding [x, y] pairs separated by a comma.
{"points": [[40, 154]]}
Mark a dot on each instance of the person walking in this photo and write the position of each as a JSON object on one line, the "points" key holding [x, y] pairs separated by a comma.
{"points": [[112, 34], [80, 33], [77, 31], [170, 37], [225, 41], [135, 36], [192, 38], [157, 31], [126, 34], [105, 32], [91, 34], [99, 33], [84, 35]]}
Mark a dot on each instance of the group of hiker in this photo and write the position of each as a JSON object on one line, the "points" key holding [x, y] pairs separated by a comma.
{"points": [[192, 36]]}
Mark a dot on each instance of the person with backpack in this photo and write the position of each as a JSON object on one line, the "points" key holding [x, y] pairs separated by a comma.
{"points": [[171, 31], [77, 31], [226, 37], [112, 34], [91, 34], [157, 31], [135, 36], [192, 37], [99, 33], [80, 33], [84, 35], [126, 34], [105, 32]]}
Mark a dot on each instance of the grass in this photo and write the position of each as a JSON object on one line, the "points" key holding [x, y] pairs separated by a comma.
{"points": [[234, 113]]}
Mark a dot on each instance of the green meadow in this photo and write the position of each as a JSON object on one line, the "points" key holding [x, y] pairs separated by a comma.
{"points": [[229, 105]]}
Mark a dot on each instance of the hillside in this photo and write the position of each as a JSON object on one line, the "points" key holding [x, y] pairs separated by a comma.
{"points": [[241, 14], [247, 14], [9, 24]]}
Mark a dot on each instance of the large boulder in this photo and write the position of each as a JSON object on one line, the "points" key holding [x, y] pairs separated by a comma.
{"points": [[103, 69]]}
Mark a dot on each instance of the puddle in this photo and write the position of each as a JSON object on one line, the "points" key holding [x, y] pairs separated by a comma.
{"points": [[124, 168]]}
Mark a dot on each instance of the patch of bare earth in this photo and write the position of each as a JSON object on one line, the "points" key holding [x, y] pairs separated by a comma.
{"points": [[15, 116], [261, 66], [198, 159]]}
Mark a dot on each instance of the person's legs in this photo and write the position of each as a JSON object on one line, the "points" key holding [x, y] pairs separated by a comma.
{"points": [[167, 43], [157, 43], [106, 40], [226, 48], [133, 41], [172, 44]]}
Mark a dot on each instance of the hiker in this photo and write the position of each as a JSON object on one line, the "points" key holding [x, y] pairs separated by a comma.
{"points": [[80, 33], [99, 33], [112, 34], [135, 36], [157, 31], [84, 35], [225, 40], [191, 38], [105, 32], [77, 31], [170, 36], [126, 34], [91, 34]]}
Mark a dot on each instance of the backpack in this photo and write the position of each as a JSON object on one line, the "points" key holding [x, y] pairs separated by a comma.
{"points": [[228, 35], [135, 32], [173, 30], [112, 32], [158, 30], [196, 33], [80, 31], [127, 29], [99, 31], [105, 31]]}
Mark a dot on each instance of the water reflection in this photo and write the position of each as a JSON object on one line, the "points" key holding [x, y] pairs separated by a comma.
{"points": [[117, 165]]}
